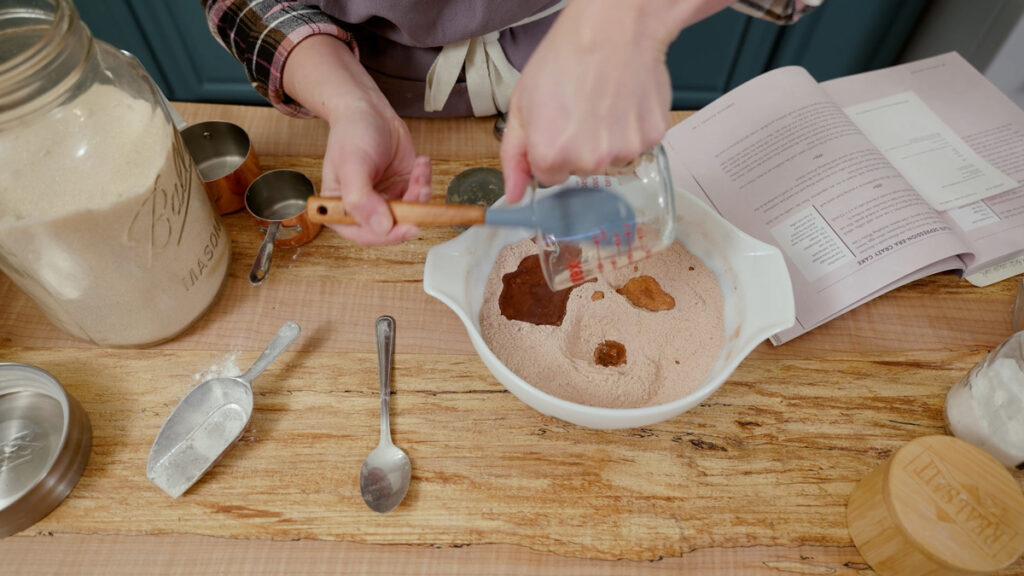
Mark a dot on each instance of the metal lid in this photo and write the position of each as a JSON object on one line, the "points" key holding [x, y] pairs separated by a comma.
{"points": [[45, 439], [480, 185]]}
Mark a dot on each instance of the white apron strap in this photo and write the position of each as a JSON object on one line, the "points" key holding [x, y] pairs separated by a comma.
{"points": [[489, 75]]}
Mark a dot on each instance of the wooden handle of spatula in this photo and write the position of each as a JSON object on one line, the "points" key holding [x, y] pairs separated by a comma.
{"points": [[332, 211]]}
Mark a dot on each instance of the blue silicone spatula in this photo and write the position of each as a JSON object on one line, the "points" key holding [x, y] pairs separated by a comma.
{"points": [[566, 214]]}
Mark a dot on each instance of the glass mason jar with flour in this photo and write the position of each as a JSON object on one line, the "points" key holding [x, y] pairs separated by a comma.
{"points": [[104, 221], [986, 407]]}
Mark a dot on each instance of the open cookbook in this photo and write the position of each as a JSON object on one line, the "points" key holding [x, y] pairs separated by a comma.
{"points": [[865, 182]]}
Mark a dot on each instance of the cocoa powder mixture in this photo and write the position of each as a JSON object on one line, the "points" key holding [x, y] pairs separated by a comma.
{"points": [[642, 336]]}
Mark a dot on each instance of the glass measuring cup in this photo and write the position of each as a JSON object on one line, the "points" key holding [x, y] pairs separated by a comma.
{"points": [[639, 221]]}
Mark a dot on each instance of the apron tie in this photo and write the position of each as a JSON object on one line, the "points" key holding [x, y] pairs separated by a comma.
{"points": [[489, 75]]}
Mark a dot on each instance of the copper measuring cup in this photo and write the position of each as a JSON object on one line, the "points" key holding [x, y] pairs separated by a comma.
{"points": [[226, 162], [277, 200]]}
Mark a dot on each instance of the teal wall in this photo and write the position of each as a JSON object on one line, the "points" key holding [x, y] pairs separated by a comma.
{"points": [[175, 45], [842, 37]]}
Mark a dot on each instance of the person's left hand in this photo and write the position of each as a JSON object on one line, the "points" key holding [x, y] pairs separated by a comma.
{"points": [[595, 93], [369, 159]]}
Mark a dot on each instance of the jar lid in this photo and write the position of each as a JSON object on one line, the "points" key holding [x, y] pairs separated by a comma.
{"points": [[45, 439], [957, 503]]}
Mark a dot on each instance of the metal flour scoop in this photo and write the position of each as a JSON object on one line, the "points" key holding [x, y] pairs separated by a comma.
{"points": [[207, 421]]}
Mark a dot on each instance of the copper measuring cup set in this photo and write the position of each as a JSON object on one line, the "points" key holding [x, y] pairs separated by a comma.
{"points": [[231, 173], [225, 160]]}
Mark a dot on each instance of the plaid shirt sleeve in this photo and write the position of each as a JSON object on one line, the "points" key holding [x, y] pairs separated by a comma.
{"points": [[778, 11], [261, 34]]}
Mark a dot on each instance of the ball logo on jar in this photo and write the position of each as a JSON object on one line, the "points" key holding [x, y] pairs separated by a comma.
{"points": [[18, 449], [160, 220]]}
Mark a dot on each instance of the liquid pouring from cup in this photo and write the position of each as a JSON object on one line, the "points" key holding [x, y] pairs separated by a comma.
{"points": [[571, 257]]}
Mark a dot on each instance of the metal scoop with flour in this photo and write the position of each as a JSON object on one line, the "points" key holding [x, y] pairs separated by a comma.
{"points": [[207, 421]]}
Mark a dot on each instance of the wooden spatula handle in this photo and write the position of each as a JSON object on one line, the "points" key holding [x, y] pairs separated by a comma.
{"points": [[332, 211]]}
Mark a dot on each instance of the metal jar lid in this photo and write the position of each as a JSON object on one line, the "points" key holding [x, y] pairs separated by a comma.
{"points": [[45, 440]]}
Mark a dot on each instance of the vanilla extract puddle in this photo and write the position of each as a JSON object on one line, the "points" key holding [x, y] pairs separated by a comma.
{"points": [[526, 297]]}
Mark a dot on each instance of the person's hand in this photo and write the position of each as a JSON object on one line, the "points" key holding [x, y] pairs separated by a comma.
{"points": [[596, 92], [369, 157]]}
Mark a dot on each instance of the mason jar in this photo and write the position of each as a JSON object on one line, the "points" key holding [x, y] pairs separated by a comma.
{"points": [[986, 406], [104, 221]]}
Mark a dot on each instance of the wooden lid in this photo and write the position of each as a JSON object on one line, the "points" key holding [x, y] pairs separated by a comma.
{"points": [[957, 503]]}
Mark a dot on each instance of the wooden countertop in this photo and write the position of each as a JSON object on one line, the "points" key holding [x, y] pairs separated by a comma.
{"points": [[754, 480]]}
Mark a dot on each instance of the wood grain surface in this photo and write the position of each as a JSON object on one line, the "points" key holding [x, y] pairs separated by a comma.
{"points": [[753, 481]]}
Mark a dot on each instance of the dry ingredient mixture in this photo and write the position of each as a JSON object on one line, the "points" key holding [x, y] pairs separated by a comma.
{"points": [[104, 222], [643, 335]]}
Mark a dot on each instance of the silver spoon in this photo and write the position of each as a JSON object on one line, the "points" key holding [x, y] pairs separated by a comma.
{"points": [[384, 478]]}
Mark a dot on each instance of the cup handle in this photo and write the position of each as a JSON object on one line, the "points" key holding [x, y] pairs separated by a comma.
{"points": [[261, 267]]}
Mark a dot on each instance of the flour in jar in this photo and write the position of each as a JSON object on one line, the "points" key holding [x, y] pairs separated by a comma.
{"points": [[986, 407], [643, 335], [105, 223]]}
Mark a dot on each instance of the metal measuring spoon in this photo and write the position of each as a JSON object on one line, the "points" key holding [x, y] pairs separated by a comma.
{"points": [[207, 421], [384, 478]]}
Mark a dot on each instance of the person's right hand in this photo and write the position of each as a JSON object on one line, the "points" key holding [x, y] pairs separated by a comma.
{"points": [[596, 92], [369, 157]]}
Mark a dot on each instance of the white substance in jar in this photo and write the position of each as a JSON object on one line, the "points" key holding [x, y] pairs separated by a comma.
{"points": [[986, 408], [104, 221]]}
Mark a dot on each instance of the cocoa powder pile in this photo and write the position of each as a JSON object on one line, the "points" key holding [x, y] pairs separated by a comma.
{"points": [[643, 335]]}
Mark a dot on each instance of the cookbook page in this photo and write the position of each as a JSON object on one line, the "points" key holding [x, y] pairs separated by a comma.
{"points": [[972, 147], [781, 160]]}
